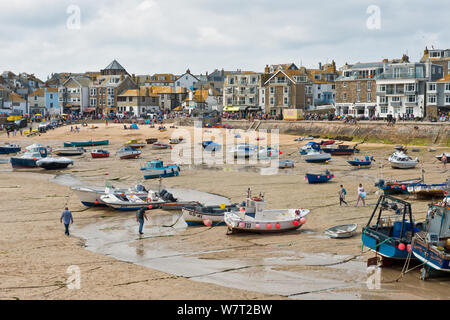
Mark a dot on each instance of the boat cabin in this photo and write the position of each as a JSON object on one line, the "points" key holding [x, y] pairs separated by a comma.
{"points": [[438, 224]]}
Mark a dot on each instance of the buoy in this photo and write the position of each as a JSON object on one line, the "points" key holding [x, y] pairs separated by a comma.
{"points": [[278, 226], [401, 247], [96, 201], [242, 209], [106, 173], [241, 224], [257, 226], [222, 206], [359, 166], [281, 152], [408, 248], [403, 187], [302, 220], [268, 226], [207, 222], [150, 206], [295, 223], [326, 162]]}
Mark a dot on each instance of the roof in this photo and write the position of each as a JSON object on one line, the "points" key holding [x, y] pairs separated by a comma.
{"points": [[114, 66], [14, 97], [142, 92], [163, 89]]}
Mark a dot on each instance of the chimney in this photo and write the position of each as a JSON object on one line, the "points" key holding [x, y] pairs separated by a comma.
{"points": [[266, 69], [320, 65]]}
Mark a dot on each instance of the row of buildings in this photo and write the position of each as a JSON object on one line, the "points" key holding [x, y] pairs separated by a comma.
{"points": [[396, 87]]}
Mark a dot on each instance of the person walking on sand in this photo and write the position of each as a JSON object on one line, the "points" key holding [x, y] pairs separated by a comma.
{"points": [[361, 195], [444, 161], [67, 218], [342, 193], [140, 215]]}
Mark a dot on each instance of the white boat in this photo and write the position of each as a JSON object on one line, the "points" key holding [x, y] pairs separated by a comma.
{"points": [[244, 150], [252, 217], [317, 156], [128, 153], [203, 215], [54, 163], [154, 200], [439, 157], [90, 197], [400, 160], [342, 231]]}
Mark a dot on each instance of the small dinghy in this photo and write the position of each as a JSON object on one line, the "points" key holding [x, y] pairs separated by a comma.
{"points": [[206, 215], [134, 143], [319, 177], [366, 162], [317, 156], [252, 217], [286, 164], [175, 141], [54, 163], [9, 148], [69, 152], [161, 145], [151, 140], [89, 143], [99, 153], [128, 153], [342, 231]]}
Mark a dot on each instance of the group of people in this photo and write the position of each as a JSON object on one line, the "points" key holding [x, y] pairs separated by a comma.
{"points": [[361, 195]]}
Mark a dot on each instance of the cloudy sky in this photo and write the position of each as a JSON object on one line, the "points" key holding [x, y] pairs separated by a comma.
{"points": [[150, 36]]}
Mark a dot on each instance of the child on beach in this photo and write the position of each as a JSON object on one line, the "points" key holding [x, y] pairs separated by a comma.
{"points": [[342, 192], [361, 195]]}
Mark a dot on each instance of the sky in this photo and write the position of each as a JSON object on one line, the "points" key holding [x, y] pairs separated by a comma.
{"points": [[170, 36]]}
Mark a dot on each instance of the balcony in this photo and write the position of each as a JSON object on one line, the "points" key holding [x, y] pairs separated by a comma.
{"points": [[399, 75], [396, 103], [398, 91]]}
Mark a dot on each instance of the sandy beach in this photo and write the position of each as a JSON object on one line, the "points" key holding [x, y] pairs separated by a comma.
{"points": [[174, 261]]}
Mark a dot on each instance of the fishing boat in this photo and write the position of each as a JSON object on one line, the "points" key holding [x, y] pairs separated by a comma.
{"points": [[54, 163], [134, 143], [128, 153], [432, 245], [155, 200], [268, 152], [90, 197], [439, 156], [244, 151], [429, 190], [391, 234], [89, 143], [9, 148], [156, 169], [319, 177], [397, 186], [366, 162], [29, 158], [206, 215], [340, 150], [317, 156], [69, 152], [342, 231], [253, 217], [400, 160], [99, 153], [161, 145], [311, 145], [286, 164], [211, 146]]}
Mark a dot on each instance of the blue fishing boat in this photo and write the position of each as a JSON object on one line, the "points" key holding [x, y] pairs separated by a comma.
{"points": [[319, 178], [9, 148], [366, 162], [397, 186], [432, 246], [156, 169], [211, 146], [29, 158], [391, 234], [311, 145]]}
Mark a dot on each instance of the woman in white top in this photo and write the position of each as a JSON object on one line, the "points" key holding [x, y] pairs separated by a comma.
{"points": [[361, 195]]}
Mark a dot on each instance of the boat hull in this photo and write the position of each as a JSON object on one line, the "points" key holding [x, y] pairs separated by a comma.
{"points": [[130, 156], [86, 143], [359, 163], [8, 150], [21, 163], [315, 178], [430, 256], [99, 155], [54, 165], [382, 244]]}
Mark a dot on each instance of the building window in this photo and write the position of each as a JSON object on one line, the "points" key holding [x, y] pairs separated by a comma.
{"points": [[447, 99], [382, 100], [432, 87], [432, 99], [409, 110], [344, 84], [358, 97], [395, 99], [411, 99], [358, 86], [382, 88], [285, 101], [384, 109], [369, 85], [369, 96], [447, 87], [272, 90], [286, 90], [317, 77], [271, 101]]}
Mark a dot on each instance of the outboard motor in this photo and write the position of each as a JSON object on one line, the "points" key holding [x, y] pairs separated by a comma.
{"points": [[167, 196]]}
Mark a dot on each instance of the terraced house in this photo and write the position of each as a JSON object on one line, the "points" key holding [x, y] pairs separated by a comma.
{"points": [[402, 87], [323, 84], [137, 102], [161, 79], [241, 92], [73, 94], [356, 89], [438, 97], [286, 88], [44, 101], [438, 56]]}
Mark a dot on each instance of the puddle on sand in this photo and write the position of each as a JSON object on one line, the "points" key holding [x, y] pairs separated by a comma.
{"points": [[274, 272], [248, 168]]}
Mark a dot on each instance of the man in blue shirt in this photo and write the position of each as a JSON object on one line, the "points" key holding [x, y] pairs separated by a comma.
{"points": [[140, 215], [66, 216]]}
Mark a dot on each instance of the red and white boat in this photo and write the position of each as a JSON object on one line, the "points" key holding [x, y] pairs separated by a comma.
{"points": [[128, 153], [99, 153], [161, 145]]}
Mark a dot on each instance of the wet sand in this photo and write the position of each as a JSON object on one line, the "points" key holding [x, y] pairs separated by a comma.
{"points": [[199, 262]]}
